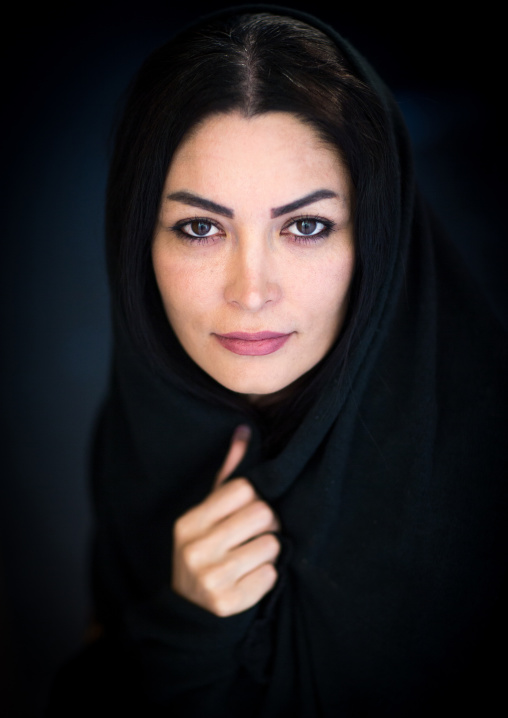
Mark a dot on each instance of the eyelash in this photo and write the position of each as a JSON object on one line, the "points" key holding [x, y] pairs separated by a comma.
{"points": [[192, 239], [328, 227]]}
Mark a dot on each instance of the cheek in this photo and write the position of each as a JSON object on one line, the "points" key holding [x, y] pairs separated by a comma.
{"points": [[324, 290], [188, 289]]}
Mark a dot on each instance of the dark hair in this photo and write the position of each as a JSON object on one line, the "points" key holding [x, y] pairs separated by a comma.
{"points": [[252, 63]]}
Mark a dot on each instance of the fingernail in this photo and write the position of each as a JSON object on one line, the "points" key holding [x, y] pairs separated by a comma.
{"points": [[242, 433]]}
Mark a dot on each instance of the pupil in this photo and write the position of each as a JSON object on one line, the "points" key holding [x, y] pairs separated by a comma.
{"points": [[306, 226], [200, 228]]}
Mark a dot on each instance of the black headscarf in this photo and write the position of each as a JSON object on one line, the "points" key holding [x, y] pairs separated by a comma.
{"points": [[391, 496]]}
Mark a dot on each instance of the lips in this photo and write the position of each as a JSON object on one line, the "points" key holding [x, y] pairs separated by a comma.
{"points": [[256, 344]]}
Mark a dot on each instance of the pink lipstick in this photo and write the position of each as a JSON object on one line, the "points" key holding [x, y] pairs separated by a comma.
{"points": [[257, 344]]}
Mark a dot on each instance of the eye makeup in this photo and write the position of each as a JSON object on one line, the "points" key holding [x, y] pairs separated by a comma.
{"points": [[195, 226], [309, 229], [318, 228]]}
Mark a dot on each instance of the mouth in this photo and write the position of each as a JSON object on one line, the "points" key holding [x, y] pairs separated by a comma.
{"points": [[256, 344]]}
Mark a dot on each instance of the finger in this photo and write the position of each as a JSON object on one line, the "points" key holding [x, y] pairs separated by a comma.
{"points": [[245, 559], [221, 577], [224, 501], [247, 523], [237, 451], [251, 588]]}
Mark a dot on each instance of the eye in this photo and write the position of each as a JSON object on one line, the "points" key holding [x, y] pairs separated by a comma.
{"points": [[198, 230], [310, 228], [307, 227]]}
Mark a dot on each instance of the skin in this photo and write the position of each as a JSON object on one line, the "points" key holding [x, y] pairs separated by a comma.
{"points": [[252, 273], [232, 253], [225, 548]]}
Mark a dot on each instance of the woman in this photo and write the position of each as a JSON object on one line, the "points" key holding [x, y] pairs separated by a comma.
{"points": [[298, 468]]}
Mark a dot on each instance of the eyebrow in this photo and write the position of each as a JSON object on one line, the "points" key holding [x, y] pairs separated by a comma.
{"points": [[308, 199], [195, 200]]}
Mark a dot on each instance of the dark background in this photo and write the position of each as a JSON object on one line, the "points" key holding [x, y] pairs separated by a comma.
{"points": [[64, 69]]}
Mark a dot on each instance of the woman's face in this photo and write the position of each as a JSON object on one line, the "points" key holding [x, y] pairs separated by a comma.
{"points": [[253, 252]]}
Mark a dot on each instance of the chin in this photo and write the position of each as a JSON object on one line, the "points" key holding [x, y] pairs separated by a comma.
{"points": [[253, 387], [258, 388]]}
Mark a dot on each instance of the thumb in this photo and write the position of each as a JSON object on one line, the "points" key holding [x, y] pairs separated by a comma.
{"points": [[237, 450]]}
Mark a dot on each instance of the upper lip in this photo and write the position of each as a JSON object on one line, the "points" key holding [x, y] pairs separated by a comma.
{"points": [[255, 336]]}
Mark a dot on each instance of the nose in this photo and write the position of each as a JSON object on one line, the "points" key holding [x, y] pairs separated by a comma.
{"points": [[252, 281]]}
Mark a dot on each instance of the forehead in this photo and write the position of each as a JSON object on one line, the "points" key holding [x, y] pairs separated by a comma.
{"points": [[275, 152]]}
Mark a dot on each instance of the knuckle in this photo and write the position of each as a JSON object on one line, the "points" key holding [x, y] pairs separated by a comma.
{"points": [[263, 512], [216, 599], [244, 489], [192, 555], [272, 544], [211, 580], [222, 606], [207, 584]]}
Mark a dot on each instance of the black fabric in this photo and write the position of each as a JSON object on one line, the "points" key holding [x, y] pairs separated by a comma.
{"points": [[392, 500]]}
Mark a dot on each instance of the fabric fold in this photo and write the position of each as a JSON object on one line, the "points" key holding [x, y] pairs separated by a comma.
{"points": [[391, 495]]}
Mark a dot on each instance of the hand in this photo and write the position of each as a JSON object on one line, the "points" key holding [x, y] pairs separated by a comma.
{"points": [[224, 548]]}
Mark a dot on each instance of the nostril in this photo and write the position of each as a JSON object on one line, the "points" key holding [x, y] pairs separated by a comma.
{"points": [[252, 279], [251, 298]]}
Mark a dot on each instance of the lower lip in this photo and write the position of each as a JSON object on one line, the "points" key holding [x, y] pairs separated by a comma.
{"points": [[253, 347]]}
